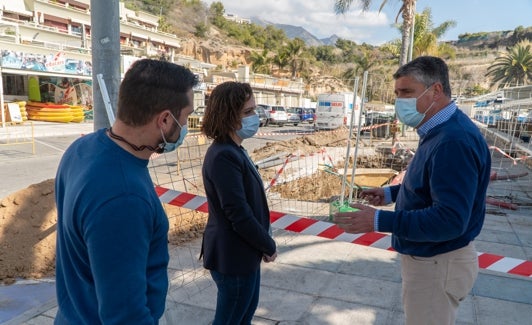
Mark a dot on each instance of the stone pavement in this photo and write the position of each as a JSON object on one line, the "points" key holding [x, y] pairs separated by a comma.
{"points": [[321, 281]]}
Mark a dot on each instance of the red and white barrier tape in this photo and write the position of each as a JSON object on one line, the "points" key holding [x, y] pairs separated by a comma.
{"points": [[331, 231], [508, 156], [263, 134], [274, 179]]}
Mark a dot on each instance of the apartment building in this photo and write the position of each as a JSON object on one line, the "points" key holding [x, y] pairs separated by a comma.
{"points": [[51, 40]]}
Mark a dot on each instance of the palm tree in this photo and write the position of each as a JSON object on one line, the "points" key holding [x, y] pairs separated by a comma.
{"points": [[364, 62], [407, 11], [513, 68], [260, 62], [281, 60], [426, 37], [293, 51]]}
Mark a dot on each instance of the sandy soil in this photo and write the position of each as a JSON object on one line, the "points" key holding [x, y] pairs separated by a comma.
{"points": [[28, 217], [28, 231]]}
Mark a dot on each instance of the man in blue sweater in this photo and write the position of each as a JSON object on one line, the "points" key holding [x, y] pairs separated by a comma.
{"points": [[440, 206], [112, 231]]}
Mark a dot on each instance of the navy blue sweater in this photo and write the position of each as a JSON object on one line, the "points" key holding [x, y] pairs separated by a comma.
{"points": [[440, 205], [112, 243]]}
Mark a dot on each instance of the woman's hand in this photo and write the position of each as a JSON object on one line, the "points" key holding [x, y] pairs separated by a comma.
{"points": [[269, 259]]}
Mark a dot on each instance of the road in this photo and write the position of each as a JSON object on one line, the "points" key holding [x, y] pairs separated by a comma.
{"points": [[19, 167]]}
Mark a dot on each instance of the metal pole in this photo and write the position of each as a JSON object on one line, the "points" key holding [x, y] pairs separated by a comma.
{"points": [[362, 96], [411, 49], [106, 99], [2, 110], [346, 164], [105, 35]]}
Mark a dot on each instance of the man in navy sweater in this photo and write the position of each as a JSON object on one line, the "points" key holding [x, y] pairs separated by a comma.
{"points": [[112, 231], [440, 206]]}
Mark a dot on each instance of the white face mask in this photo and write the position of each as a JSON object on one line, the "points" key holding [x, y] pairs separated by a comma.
{"points": [[250, 126], [406, 109]]}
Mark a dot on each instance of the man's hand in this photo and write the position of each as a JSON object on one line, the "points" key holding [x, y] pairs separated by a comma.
{"points": [[360, 221], [268, 259], [374, 196]]}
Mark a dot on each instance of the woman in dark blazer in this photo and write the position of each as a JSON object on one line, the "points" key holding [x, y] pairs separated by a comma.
{"points": [[237, 236]]}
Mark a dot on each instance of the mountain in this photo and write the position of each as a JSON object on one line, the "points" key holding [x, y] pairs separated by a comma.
{"points": [[299, 32], [295, 31], [331, 40]]}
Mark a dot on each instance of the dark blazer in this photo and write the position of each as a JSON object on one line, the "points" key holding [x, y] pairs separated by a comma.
{"points": [[236, 235]]}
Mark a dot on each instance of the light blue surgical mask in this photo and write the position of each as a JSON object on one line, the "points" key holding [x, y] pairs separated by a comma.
{"points": [[166, 146], [406, 110], [250, 126]]}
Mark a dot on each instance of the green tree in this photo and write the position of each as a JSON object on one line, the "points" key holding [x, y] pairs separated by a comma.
{"points": [[324, 53], [260, 62], [520, 33], [216, 11], [426, 36], [476, 90], [293, 52], [407, 11], [364, 62], [201, 30], [274, 38], [281, 60], [350, 50], [513, 68]]}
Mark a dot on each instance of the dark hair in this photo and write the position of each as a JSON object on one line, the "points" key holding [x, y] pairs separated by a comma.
{"points": [[223, 111], [150, 87], [427, 70]]}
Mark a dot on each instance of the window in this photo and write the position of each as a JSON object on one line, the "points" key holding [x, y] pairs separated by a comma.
{"points": [[13, 85]]}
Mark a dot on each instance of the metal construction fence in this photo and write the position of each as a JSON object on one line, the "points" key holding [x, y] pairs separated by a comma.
{"points": [[302, 180]]}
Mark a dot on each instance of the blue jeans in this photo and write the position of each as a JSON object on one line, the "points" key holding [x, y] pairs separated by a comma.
{"points": [[238, 297]]}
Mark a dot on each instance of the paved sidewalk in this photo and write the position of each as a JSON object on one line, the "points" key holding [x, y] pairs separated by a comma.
{"points": [[320, 281], [44, 129]]}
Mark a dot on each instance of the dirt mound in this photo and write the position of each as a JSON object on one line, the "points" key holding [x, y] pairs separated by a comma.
{"points": [[305, 144], [28, 221]]}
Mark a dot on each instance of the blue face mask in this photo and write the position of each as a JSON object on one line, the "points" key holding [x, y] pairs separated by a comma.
{"points": [[406, 109], [171, 146], [250, 126]]}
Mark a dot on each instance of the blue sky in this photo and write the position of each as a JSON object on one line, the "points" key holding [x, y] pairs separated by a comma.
{"points": [[372, 27]]}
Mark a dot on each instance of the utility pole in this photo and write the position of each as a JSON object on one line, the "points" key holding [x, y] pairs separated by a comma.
{"points": [[105, 35], [412, 31]]}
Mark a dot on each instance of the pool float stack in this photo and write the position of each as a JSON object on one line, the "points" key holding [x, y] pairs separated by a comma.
{"points": [[51, 112]]}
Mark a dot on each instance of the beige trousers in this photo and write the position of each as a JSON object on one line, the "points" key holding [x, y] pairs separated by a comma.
{"points": [[434, 286]]}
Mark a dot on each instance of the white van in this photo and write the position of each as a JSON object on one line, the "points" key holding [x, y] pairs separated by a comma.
{"points": [[334, 110]]}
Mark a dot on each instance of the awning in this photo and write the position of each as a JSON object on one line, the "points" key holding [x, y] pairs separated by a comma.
{"points": [[156, 40], [44, 73], [141, 36], [16, 7], [80, 4], [81, 22], [172, 44]]}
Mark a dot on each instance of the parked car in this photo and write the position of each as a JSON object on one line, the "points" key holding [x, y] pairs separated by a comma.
{"points": [[276, 114], [293, 116], [195, 120], [313, 113], [305, 114], [263, 117], [379, 118]]}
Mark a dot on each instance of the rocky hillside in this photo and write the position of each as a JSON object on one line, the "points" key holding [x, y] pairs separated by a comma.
{"points": [[493, 40], [475, 52]]}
